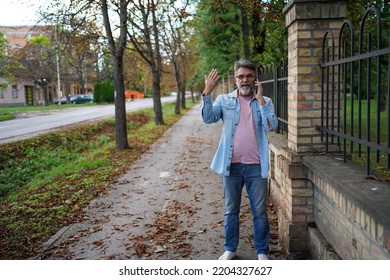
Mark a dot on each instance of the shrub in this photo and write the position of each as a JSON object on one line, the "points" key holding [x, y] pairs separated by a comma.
{"points": [[104, 91]]}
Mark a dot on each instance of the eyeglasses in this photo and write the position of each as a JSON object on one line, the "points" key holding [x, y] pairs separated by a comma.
{"points": [[248, 77]]}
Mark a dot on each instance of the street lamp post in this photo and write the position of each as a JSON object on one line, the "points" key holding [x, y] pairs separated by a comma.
{"points": [[58, 70]]}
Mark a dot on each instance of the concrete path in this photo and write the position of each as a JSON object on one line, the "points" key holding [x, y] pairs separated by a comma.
{"points": [[169, 205]]}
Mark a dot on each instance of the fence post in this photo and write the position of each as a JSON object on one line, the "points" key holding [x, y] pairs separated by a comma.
{"points": [[276, 95], [307, 22]]}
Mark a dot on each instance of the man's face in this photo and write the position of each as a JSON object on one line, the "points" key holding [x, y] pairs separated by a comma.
{"points": [[245, 80]]}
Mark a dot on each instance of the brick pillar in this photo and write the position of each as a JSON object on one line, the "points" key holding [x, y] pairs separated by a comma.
{"points": [[307, 22]]}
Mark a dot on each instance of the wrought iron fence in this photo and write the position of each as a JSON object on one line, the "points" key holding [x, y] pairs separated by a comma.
{"points": [[274, 81], [355, 91]]}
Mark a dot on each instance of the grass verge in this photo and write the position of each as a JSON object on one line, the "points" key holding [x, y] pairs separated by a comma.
{"points": [[9, 112], [46, 181], [6, 116]]}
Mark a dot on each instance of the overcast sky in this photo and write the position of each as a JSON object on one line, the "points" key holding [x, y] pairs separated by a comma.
{"points": [[19, 12]]}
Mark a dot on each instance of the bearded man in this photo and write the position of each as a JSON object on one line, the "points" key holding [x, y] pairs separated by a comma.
{"points": [[242, 157]]}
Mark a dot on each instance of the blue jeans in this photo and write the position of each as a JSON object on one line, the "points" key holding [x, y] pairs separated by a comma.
{"points": [[256, 188]]}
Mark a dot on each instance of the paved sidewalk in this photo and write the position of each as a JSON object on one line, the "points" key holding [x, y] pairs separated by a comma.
{"points": [[169, 205]]}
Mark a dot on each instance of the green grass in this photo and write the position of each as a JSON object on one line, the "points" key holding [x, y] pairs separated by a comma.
{"points": [[373, 122], [46, 181], [378, 167], [6, 116]]}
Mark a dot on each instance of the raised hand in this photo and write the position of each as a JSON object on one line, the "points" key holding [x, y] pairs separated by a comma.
{"points": [[210, 81]]}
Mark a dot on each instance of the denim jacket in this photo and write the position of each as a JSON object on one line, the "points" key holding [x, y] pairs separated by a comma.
{"points": [[227, 108]]}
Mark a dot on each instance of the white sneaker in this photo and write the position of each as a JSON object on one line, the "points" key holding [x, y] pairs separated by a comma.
{"points": [[228, 255], [262, 257]]}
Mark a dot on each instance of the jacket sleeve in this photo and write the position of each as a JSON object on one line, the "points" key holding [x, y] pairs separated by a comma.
{"points": [[268, 113], [211, 112]]}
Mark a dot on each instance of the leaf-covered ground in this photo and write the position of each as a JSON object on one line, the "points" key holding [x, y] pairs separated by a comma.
{"points": [[45, 181]]}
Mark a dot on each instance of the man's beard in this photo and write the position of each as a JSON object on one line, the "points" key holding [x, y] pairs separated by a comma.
{"points": [[245, 89]]}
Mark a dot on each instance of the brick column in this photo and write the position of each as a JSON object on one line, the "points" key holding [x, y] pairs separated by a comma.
{"points": [[307, 22]]}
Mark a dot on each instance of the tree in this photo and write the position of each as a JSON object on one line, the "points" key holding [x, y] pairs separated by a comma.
{"points": [[174, 36], [80, 51], [228, 30], [36, 62], [217, 37], [370, 28], [356, 9], [117, 48], [4, 58], [8, 64], [144, 22], [90, 11], [136, 71]]}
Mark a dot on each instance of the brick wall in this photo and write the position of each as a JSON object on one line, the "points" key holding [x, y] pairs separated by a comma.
{"points": [[327, 208], [292, 192], [317, 213], [351, 212]]}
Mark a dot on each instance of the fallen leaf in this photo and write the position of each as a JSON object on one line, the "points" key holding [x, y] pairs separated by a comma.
{"points": [[159, 249], [373, 177]]}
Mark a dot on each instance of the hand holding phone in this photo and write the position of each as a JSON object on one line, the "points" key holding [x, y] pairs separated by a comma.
{"points": [[258, 92]]}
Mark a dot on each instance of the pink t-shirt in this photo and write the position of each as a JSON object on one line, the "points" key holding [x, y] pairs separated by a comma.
{"points": [[245, 149]]}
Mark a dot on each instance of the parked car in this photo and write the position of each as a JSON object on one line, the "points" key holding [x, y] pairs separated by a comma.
{"points": [[77, 99], [81, 98], [62, 100]]}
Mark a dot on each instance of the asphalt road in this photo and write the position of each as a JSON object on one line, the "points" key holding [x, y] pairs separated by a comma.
{"points": [[32, 123]]}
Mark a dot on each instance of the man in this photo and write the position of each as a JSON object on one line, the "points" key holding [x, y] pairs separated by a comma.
{"points": [[242, 155]]}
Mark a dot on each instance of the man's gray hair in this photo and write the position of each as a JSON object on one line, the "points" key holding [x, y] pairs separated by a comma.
{"points": [[244, 63]]}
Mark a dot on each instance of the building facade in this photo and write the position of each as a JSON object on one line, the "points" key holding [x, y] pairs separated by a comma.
{"points": [[25, 91]]}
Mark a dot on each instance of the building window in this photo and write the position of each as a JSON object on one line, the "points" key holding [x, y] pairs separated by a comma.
{"points": [[14, 92], [1, 93]]}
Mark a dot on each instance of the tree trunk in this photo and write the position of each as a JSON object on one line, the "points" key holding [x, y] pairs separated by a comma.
{"points": [[192, 95], [156, 92], [245, 34], [45, 91], [177, 104], [183, 97], [259, 35], [178, 87], [184, 79], [156, 72], [67, 91], [120, 106], [183, 94]]}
